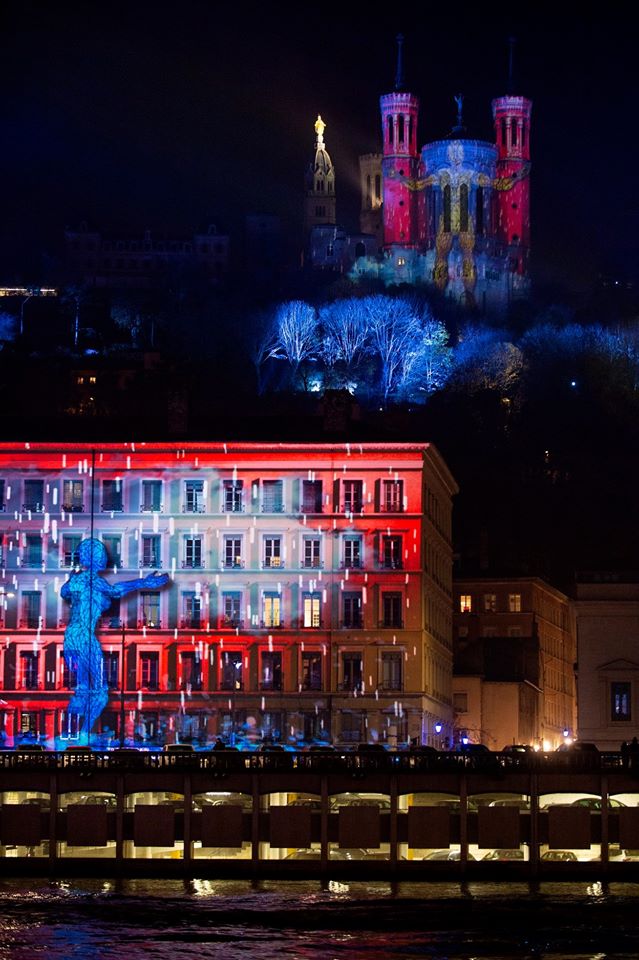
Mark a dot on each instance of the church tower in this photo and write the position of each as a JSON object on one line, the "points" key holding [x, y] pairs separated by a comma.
{"points": [[512, 136], [319, 203], [400, 161]]}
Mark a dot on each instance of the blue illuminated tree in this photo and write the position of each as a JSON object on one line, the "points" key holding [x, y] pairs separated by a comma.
{"points": [[297, 334]]}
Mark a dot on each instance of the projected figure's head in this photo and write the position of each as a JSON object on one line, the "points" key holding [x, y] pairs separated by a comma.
{"points": [[92, 554]]}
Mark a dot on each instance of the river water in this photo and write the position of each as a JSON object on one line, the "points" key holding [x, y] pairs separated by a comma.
{"points": [[170, 920]]}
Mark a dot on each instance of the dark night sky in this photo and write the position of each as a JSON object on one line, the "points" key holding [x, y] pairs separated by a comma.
{"points": [[166, 115]]}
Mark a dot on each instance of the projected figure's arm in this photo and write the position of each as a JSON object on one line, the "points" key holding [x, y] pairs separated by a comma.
{"points": [[153, 582]]}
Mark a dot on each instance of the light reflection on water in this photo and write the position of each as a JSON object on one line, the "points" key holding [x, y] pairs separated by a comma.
{"points": [[301, 920]]}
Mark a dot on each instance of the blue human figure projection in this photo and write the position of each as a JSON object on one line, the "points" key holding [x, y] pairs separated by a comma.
{"points": [[90, 596]]}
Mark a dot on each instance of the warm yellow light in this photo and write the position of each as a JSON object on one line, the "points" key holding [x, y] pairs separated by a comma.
{"points": [[547, 746]]}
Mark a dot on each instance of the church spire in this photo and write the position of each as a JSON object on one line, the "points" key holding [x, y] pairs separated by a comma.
{"points": [[399, 73], [320, 183]]}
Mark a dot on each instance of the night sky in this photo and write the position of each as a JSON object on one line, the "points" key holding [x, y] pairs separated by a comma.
{"points": [[172, 115]]}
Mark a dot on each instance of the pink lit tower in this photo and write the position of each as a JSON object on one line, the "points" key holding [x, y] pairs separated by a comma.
{"points": [[400, 162], [512, 136]]}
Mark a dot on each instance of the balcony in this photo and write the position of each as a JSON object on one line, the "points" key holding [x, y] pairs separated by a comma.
{"points": [[149, 508], [151, 563], [233, 508], [192, 564], [271, 626], [351, 686], [33, 507], [391, 508], [110, 623], [112, 507], [272, 508], [271, 685], [191, 623], [391, 623], [30, 623], [391, 565], [355, 507], [231, 623], [352, 564], [73, 507], [353, 623], [149, 624], [236, 564], [271, 563], [193, 508], [312, 564]]}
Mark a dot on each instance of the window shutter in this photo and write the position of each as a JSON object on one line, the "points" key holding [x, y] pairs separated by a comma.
{"points": [[378, 496]]}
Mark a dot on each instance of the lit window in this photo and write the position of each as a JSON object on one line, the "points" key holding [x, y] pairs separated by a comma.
{"points": [[490, 602], [620, 701], [312, 609], [465, 603], [73, 496], [272, 610], [514, 602]]}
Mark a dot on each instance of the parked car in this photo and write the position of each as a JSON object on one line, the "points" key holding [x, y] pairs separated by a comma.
{"points": [[177, 748], [513, 854], [559, 855], [446, 855], [519, 802], [594, 804]]}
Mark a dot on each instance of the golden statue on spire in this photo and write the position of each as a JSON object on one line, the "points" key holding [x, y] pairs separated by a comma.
{"points": [[320, 126]]}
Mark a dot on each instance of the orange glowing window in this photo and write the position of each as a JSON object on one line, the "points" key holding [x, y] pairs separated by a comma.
{"points": [[465, 603]]}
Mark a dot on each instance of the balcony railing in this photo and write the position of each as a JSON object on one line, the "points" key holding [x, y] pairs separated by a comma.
{"points": [[33, 507], [110, 623], [151, 563], [391, 565], [351, 686], [191, 623], [272, 562], [352, 564], [272, 508], [312, 564], [73, 507], [234, 623], [149, 508], [193, 508], [271, 626], [150, 624], [352, 623], [355, 507], [270, 685], [391, 623], [232, 508], [233, 564], [112, 508], [192, 564]]}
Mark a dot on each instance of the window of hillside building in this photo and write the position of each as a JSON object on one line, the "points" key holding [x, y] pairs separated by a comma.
{"points": [[190, 671], [490, 602], [460, 702], [112, 669], [232, 492], [150, 670], [620, 701], [272, 496], [311, 670], [392, 670], [32, 553], [192, 552], [312, 604], [352, 670], [28, 670], [113, 545], [272, 610], [353, 552], [392, 610], [232, 609], [151, 496], [70, 546], [194, 496], [270, 670], [3, 505], [465, 603], [192, 610], [231, 670], [272, 552], [392, 496], [353, 726], [73, 496], [514, 602], [233, 552], [311, 496], [447, 206], [31, 600], [152, 551], [352, 609], [150, 608], [33, 495], [311, 552], [353, 496], [112, 495], [391, 553]]}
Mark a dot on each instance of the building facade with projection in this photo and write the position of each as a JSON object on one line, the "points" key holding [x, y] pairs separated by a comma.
{"points": [[309, 592]]}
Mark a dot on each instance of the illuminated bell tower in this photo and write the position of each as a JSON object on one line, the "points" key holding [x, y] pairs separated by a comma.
{"points": [[319, 203], [400, 161], [512, 136]]}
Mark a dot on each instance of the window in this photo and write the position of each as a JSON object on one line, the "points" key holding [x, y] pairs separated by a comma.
{"points": [[270, 670], [351, 671], [194, 496], [311, 552], [272, 610], [231, 670], [479, 211], [73, 496], [233, 552], [272, 496], [392, 671], [152, 551], [32, 556], [400, 129], [150, 608], [312, 603], [490, 602], [272, 551], [392, 610], [232, 496], [503, 132], [34, 495], [514, 602], [192, 552], [232, 609], [31, 609], [391, 554], [69, 671], [192, 607], [149, 670], [3, 505], [112, 496], [352, 607], [465, 603], [28, 670], [70, 545], [151, 496], [620, 701], [353, 496], [353, 726], [460, 702], [190, 671], [353, 552], [113, 546], [112, 670], [311, 670], [463, 207], [447, 208], [392, 496], [311, 496]]}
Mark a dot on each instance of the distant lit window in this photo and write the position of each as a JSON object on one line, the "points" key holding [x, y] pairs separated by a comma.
{"points": [[514, 602], [272, 610], [312, 603], [490, 602], [620, 702], [73, 496], [465, 603]]}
